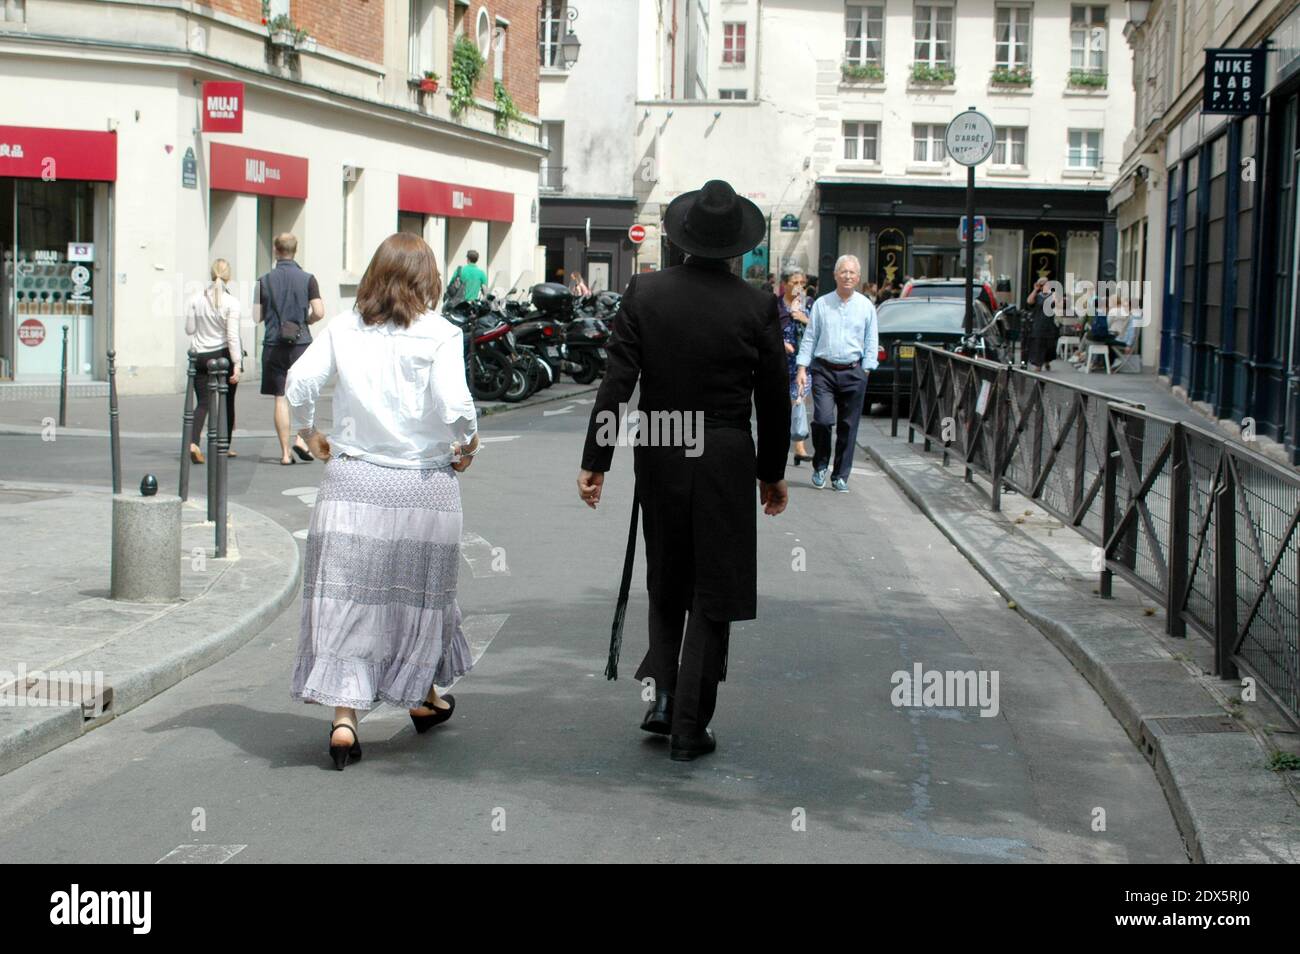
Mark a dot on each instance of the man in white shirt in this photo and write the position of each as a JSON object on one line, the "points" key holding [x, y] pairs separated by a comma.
{"points": [[839, 346]]}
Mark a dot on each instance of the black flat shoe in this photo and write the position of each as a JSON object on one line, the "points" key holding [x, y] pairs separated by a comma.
{"points": [[302, 452], [799, 458], [423, 723], [685, 748], [659, 717], [342, 753]]}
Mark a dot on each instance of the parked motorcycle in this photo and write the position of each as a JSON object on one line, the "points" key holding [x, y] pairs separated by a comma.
{"points": [[585, 334]]}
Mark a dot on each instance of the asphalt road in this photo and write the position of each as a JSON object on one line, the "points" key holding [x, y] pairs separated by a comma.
{"points": [[543, 760]]}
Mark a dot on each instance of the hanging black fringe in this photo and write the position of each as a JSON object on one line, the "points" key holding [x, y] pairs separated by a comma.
{"points": [[620, 610], [726, 649]]}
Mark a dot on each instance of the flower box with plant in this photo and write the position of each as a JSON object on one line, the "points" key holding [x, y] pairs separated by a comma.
{"points": [[1012, 76], [862, 72], [466, 65], [927, 75], [284, 32], [1088, 79], [506, 108], [426, 82]]}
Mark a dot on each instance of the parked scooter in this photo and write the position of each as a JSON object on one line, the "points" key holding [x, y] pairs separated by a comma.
{"points": [[585, 336]]}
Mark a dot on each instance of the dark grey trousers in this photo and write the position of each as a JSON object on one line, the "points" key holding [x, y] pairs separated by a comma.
{"points": [[692, 681], [837, 397]]}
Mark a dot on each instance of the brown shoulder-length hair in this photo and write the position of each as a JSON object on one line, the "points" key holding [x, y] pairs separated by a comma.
{"points": [[401, 282]]}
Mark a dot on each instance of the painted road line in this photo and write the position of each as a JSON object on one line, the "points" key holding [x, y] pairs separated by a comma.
{"points": [[483, 558], [567, 409], [385, 721], [200, 854], [497, 438]]}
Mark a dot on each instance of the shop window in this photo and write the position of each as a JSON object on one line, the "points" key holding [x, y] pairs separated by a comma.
{"points": [[13, 11], [1084, 149], [733, 44], [1011, 36], [927, 143], [862, 142], [1002, 254], [1009, 147], [1088, 38], [550, 31], [932, 35], [864, 34]]}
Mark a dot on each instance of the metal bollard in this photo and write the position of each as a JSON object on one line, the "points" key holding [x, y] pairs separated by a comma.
{"points": [[223, 447], [187, 424], [114, 433], [893, 424], [212, 438], [63, 382]]}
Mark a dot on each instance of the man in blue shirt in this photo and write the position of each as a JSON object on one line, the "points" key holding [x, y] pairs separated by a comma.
{"points": [[839, 347]]}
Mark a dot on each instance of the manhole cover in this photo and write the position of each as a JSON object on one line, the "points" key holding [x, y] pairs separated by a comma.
{"points": [[1193, 725]]}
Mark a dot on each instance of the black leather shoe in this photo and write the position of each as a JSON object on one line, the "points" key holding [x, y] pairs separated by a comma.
{"points": [[659, 717], [686, 747]]}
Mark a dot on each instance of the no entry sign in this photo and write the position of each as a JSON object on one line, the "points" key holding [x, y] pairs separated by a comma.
{"points": [[31, 332], [636, 233]]}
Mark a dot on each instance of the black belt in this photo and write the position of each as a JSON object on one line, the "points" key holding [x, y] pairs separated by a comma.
{"points": [[839, 367]]}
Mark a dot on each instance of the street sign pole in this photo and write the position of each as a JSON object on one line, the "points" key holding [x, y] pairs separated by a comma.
{"points": [[970, 251], [969, 139]]}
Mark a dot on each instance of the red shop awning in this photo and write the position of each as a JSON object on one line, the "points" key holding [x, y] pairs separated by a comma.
{"points": [[456, 201], [32, 152], [235, 169]]}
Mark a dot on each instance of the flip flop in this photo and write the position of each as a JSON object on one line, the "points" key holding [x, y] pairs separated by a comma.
{"points": [[286, 463]]}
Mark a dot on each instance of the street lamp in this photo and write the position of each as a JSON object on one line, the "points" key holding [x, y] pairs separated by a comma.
{"points": [[1138, 10], [569, 48]]}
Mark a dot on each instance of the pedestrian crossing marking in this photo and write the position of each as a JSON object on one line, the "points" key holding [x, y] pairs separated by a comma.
{"points": [[200, 854]]}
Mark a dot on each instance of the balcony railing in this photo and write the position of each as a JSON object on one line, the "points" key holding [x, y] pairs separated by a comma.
{"points": [[551, 178]]}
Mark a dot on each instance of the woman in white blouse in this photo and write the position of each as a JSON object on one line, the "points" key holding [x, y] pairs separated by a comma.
{"points": [[212, 322], [379, 613]]}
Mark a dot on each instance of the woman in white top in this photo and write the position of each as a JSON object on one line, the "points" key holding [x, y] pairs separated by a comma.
{"points": [[379, 613], [212, 322]]}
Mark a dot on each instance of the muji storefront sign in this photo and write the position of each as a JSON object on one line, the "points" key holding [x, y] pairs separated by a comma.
{"points": [[430, 197], [223, 107], [32, 152], [235, 169]]}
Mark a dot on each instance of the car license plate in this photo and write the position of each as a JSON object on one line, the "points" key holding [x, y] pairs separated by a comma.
{"points": [[552, 350], [601, 352], [906, 351]]}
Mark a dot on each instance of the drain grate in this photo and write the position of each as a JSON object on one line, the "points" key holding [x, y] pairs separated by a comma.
{"points": [[1194, 725]]}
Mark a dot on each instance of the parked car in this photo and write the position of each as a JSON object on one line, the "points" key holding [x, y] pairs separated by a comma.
{"points": [[938, 321], [951, 288]]}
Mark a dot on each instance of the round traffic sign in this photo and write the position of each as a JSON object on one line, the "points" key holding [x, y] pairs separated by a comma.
{"points": [[969, 138], [636, 233], [31, 332]]}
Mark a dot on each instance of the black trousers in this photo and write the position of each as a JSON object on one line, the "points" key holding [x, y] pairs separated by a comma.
{"points": [[837, 396], [692, 681], [201, 390]]}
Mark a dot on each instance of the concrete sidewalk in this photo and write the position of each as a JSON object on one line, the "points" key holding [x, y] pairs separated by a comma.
{"points": [[54, 584], [1210, 750]]}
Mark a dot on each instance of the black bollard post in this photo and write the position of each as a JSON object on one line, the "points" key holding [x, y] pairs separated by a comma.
{"points": [[114, 434], [63, 382], [187, 424], [893, 425], [223, 448], [212, 438]]}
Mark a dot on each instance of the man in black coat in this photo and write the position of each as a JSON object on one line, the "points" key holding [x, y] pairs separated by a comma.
{"points": [[706, 347]]}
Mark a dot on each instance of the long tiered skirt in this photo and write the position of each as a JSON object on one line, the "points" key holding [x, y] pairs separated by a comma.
{"points": [[379, 613]]}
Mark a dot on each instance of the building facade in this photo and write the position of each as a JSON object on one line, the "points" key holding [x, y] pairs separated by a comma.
{"points": [[1206, 207], [116, 194], [589, 128], [830, 115]]}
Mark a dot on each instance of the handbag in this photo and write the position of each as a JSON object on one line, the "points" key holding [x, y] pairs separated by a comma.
{"points": [[289, 331], [455, 287]]}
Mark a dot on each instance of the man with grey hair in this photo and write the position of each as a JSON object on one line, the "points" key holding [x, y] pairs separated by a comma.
{"points": [[839, 349]]}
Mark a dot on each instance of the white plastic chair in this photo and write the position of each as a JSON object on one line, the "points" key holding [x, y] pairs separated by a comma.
{"points": [[1097, 351], [1066, 345]]}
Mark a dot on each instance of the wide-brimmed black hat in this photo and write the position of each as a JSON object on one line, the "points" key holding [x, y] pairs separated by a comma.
{"points": [[714, 222]]}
